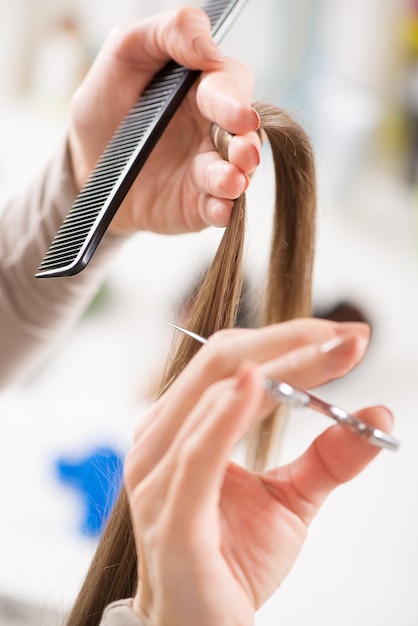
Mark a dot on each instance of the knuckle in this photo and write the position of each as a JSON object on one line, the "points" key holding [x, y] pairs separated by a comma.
{"points": [[216, 357], [146, 499], [225, 335], [302, 328], [186, 17], [140, 504], [242, 73], [298, 327], [117, 36], [129, 471], [213, 360], [190, 453]]}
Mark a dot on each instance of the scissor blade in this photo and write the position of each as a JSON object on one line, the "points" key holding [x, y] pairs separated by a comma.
{"points": [[189, 332]]}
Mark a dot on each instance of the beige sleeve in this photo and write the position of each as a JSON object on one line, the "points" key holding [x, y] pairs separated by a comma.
{"points": [[35, 314], [120, 613]]}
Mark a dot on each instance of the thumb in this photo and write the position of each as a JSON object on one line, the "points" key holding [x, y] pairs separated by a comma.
{"points": [[182, 35], [185, 37], [335, 457]]}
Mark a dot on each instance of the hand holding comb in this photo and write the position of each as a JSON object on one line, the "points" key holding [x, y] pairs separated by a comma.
{"points": [[125, 155]]}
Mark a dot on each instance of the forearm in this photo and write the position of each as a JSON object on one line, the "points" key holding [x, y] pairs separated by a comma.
{"points": [[36, 313]]}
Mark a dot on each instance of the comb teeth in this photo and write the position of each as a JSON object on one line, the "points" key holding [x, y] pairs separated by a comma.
{"points": [[124, 157]]}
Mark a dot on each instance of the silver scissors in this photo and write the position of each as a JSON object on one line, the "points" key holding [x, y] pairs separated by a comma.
{"points": [[298, 398]]}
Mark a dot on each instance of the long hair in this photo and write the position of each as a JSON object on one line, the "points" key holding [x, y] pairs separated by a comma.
{"points": [[113, 571]]}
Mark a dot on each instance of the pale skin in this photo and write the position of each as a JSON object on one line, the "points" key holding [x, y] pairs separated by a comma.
{"points": [[185, 184], [214, 539]]}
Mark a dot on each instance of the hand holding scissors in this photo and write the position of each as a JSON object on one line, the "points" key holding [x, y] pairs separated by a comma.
{"points": [[215, 539]]}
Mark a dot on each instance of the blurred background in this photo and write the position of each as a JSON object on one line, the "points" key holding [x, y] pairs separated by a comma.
{"points": [[349, 70]]}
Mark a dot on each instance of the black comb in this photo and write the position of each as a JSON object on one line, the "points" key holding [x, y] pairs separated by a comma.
{"points": [[125, 155]]}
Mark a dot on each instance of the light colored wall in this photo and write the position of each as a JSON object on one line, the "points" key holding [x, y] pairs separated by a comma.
{"points": [[335, 61]]}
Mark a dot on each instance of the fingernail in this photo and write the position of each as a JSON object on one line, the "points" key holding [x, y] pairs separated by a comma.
{"points": [[332, 344], [218, 211], [246, 182], [346, 339], [256, 118], [257, 155], [206, 48]]}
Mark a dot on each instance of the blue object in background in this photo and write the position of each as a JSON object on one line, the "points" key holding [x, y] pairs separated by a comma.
{"points": [[97, 478]]}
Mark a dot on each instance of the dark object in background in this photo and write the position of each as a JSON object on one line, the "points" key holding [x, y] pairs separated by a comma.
{"points": [[343, 311], [248, 312]]}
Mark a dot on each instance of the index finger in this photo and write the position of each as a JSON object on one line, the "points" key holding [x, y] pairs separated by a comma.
{"points": [[221, 357], [224, 96]]}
